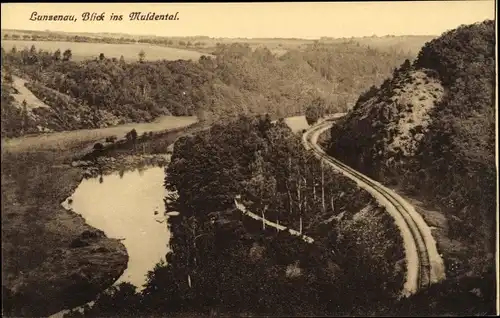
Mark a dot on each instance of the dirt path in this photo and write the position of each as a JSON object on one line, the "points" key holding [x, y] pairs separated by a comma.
{"points": [[277, 226], [24, 94]]}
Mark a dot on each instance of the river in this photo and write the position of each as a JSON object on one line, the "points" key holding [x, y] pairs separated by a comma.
{"points": [[124, 207], [127, 206]]}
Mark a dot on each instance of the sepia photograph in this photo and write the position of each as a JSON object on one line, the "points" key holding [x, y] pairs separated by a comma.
{"points": [[281, 159]]}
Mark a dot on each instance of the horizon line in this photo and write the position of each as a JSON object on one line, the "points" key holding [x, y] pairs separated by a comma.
{"points": [[221, 37]]}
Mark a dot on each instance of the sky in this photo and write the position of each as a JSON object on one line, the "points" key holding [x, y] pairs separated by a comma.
{"points": [[260, 20]]}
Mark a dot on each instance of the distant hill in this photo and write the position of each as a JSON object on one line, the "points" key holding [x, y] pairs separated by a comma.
{"points": [[411, 42], [370, 39], [430, 131], [406, 43]]}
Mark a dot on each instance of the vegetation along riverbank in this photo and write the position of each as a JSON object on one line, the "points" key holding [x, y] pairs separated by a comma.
{"points": [[74, 262]]}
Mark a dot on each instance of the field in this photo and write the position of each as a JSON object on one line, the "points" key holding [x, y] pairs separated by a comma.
{"points": [[130, 52], [297, 123], [67, 139]]}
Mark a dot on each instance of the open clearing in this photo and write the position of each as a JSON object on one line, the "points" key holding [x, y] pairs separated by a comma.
{"points": [[130, 52], [297, 123]]}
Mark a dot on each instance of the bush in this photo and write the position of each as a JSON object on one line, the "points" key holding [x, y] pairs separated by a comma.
{"points": [[111, 139]]}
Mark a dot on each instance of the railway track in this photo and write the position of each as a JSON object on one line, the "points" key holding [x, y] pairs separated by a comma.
{"points": [[424, 264]]}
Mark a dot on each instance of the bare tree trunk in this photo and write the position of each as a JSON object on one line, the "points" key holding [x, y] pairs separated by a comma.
{"points": [[289, 198], [300, 225], [304, 209], [263, 209], [322, 186], [288, 186], [299, 202], [263, 220], [194, 242], [333, 206], [313, 183]]}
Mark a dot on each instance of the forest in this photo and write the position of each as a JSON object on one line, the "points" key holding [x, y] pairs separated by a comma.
{"points": [[453, 166], [224, 262], [239, 80]]}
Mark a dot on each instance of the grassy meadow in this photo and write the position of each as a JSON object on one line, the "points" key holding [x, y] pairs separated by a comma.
{"points": [[70, 139], [130, 52]]}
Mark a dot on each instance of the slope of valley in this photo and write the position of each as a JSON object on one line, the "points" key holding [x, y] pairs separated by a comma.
{"points": [[236, 80], [429, 131], [82, 103]]}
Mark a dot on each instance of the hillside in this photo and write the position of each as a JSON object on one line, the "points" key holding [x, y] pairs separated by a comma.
{"points": [[430, 132], [407, 43], [237, 80]]}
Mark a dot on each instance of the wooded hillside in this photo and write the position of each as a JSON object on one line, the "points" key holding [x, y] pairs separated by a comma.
{"points": [[238, 80], [430, 130]]}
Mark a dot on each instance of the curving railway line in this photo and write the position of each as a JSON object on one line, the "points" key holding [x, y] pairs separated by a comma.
{"points": [[424, 264]]}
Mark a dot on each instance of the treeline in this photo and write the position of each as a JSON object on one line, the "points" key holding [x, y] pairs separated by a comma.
{"points": [[170, 42], [454, 164], [224, 262], [104, 39], [67, 38]]}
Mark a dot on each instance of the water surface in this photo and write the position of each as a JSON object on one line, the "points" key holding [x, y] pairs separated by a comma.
{"points": [[124, 207]]}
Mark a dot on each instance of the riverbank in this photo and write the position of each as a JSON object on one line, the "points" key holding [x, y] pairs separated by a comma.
{"points": [[53, 259]]}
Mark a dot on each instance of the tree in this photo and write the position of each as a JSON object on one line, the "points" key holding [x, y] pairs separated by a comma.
{"points": [[142, 56], [25, 118], [101, 57], [201, 114], [121, 299], [132, 136], [262, 184], [8, 78], [315, 111], [57, 55], [406, 65], [67, 55], [122, 60]]}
